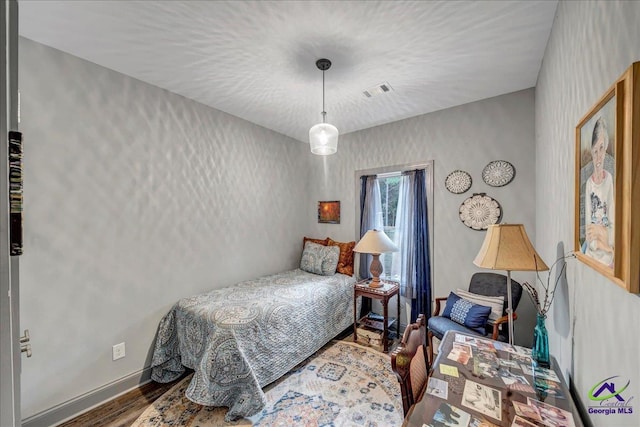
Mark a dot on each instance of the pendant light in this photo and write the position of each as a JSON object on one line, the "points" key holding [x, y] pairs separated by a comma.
{"points": [[323, 137]]}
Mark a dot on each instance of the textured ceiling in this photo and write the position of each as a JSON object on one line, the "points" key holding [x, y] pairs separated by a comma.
{"points": [[256, 60]]}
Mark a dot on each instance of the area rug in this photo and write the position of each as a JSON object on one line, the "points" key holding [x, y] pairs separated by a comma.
{"points": [[343, 384]]}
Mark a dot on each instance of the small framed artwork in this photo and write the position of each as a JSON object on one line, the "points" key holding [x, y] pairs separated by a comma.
{"points": [[607, 237], [329, 212]]}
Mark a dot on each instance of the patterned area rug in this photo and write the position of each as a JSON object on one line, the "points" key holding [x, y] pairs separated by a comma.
{"points": [[343, 384]]}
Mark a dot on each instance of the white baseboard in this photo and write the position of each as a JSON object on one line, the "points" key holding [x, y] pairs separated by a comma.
{"points": [[87, 401]]}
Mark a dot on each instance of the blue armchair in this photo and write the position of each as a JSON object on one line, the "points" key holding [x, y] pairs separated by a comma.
{"points": [[487, 284]]}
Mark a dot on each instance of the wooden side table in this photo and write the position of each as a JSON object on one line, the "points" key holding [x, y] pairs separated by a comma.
{"points": [[384, 294]]}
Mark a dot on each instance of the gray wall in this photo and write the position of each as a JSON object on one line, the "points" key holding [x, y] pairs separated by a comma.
{"points": [[595, 325], [465, 137], [135, 197]]}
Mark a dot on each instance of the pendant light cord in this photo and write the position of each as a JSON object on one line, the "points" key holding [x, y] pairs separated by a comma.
{"points": [[324, 113]]}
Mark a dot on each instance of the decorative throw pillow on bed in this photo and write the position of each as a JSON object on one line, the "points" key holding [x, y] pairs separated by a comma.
{"points": [[460, 310], [496, 303], [318, 259], [322, 242], [345, 263]]}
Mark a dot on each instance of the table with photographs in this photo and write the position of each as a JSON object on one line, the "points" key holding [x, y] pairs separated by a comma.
{"points": [[480, 382]]}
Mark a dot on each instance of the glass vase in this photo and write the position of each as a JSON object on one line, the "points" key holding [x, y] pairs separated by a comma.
{"points": [[540, 351]]}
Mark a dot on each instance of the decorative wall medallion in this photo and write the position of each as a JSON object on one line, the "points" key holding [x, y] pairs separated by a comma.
{"points": [[480, 211], [498, 173], [458, 182]]}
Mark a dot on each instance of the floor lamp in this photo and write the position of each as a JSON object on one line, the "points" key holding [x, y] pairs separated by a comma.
{"points": [[507, 247]]}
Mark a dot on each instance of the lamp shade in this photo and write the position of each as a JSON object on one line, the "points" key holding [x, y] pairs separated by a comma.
{"points": [[375, 242], [507, 247], [323, 138]]}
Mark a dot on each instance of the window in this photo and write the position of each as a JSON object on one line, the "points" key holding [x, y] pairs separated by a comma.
{"points": [[389, 193]]}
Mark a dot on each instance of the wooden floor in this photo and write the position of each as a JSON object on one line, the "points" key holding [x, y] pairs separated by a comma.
{"points": [[124, 410], [121, 411]]}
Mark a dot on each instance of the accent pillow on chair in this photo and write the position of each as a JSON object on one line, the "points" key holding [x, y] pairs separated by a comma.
{"points": [[496, 303], [464, 312], [319, 259]]}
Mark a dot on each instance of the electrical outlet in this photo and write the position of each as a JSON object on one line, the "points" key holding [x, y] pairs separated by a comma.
{"points": [[118, 351]]}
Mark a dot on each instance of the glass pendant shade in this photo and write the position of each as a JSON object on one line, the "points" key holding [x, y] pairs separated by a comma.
{"points": [[323, 138]]}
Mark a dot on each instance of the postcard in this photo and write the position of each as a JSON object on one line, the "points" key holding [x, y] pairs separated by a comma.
{"points": [[448, 415], [520, 358], [503, 346], [552, 415], [521, 422], [523, 350], [509, 363], [438, 388], [465, 339], [460, 353], [550, 388], [484, 368], [483, 399], [523, 388], [546, 374], [527, 411], [480, 422], [448, 370], [511, 378], [486, 346]]}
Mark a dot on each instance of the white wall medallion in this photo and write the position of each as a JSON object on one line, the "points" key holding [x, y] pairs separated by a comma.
{"points": [[458, 182], [498, 173], [480, 211]]}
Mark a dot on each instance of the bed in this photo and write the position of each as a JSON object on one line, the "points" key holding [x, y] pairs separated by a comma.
{"points": [[240, 339]]}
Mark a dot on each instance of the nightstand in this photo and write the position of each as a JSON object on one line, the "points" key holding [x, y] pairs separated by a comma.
{"points": [[384, 294]]}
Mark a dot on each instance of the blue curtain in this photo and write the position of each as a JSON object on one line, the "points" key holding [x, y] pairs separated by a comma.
{"points": [[370, 218], [421, 302]]}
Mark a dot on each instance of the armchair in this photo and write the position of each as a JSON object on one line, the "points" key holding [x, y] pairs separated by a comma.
{"points": [[486, 284]]}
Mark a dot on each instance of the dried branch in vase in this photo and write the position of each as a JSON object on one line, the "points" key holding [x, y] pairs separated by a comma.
{"points": [[543, 305]]}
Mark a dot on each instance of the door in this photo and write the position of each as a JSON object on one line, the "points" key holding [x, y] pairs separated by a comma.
{"points": [[9, 290]]}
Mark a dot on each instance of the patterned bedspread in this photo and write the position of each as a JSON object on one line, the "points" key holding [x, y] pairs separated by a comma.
{"points": [[239, 339]]}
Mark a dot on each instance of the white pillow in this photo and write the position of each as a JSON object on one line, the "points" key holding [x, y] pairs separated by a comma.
{"points": [[496, 303]]}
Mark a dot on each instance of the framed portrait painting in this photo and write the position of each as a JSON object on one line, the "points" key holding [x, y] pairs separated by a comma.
{"points": [[329, 212], [606, 226]]}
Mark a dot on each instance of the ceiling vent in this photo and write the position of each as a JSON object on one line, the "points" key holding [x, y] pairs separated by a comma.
{"points": [[378, 89]]}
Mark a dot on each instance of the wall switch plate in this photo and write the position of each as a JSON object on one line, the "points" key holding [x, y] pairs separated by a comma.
{"points": [[118, 351]]}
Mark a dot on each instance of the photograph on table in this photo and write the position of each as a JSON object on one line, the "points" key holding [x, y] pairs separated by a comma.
{"points": [[545, 374], [552, 415], [486, 363], [507, 363], [522, 388], [483, 399], [521, 422], [503, 346], [437, 387], [460, 353], [520, 358], [465, 339], [511, 378], [485, 345], [551, 388], [527, 411], [450, 416], [480, 422], [523, 350]]}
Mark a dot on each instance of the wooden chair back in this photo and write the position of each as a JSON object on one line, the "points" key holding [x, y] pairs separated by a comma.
{"points": [[410, 364]]}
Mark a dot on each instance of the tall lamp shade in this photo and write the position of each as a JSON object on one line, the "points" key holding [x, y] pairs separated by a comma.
{"points": [[375, 242], [507, 247]]}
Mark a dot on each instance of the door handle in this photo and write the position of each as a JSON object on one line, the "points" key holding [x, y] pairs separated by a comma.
{"points": [[26, 348], [25, 338]]}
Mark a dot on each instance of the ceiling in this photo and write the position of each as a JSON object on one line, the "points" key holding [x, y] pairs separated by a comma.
{"points": [[256, 60]]}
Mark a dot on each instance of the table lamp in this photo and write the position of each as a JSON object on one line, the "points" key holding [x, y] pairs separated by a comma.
{"points": [[375, 242], [507, 247]]}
